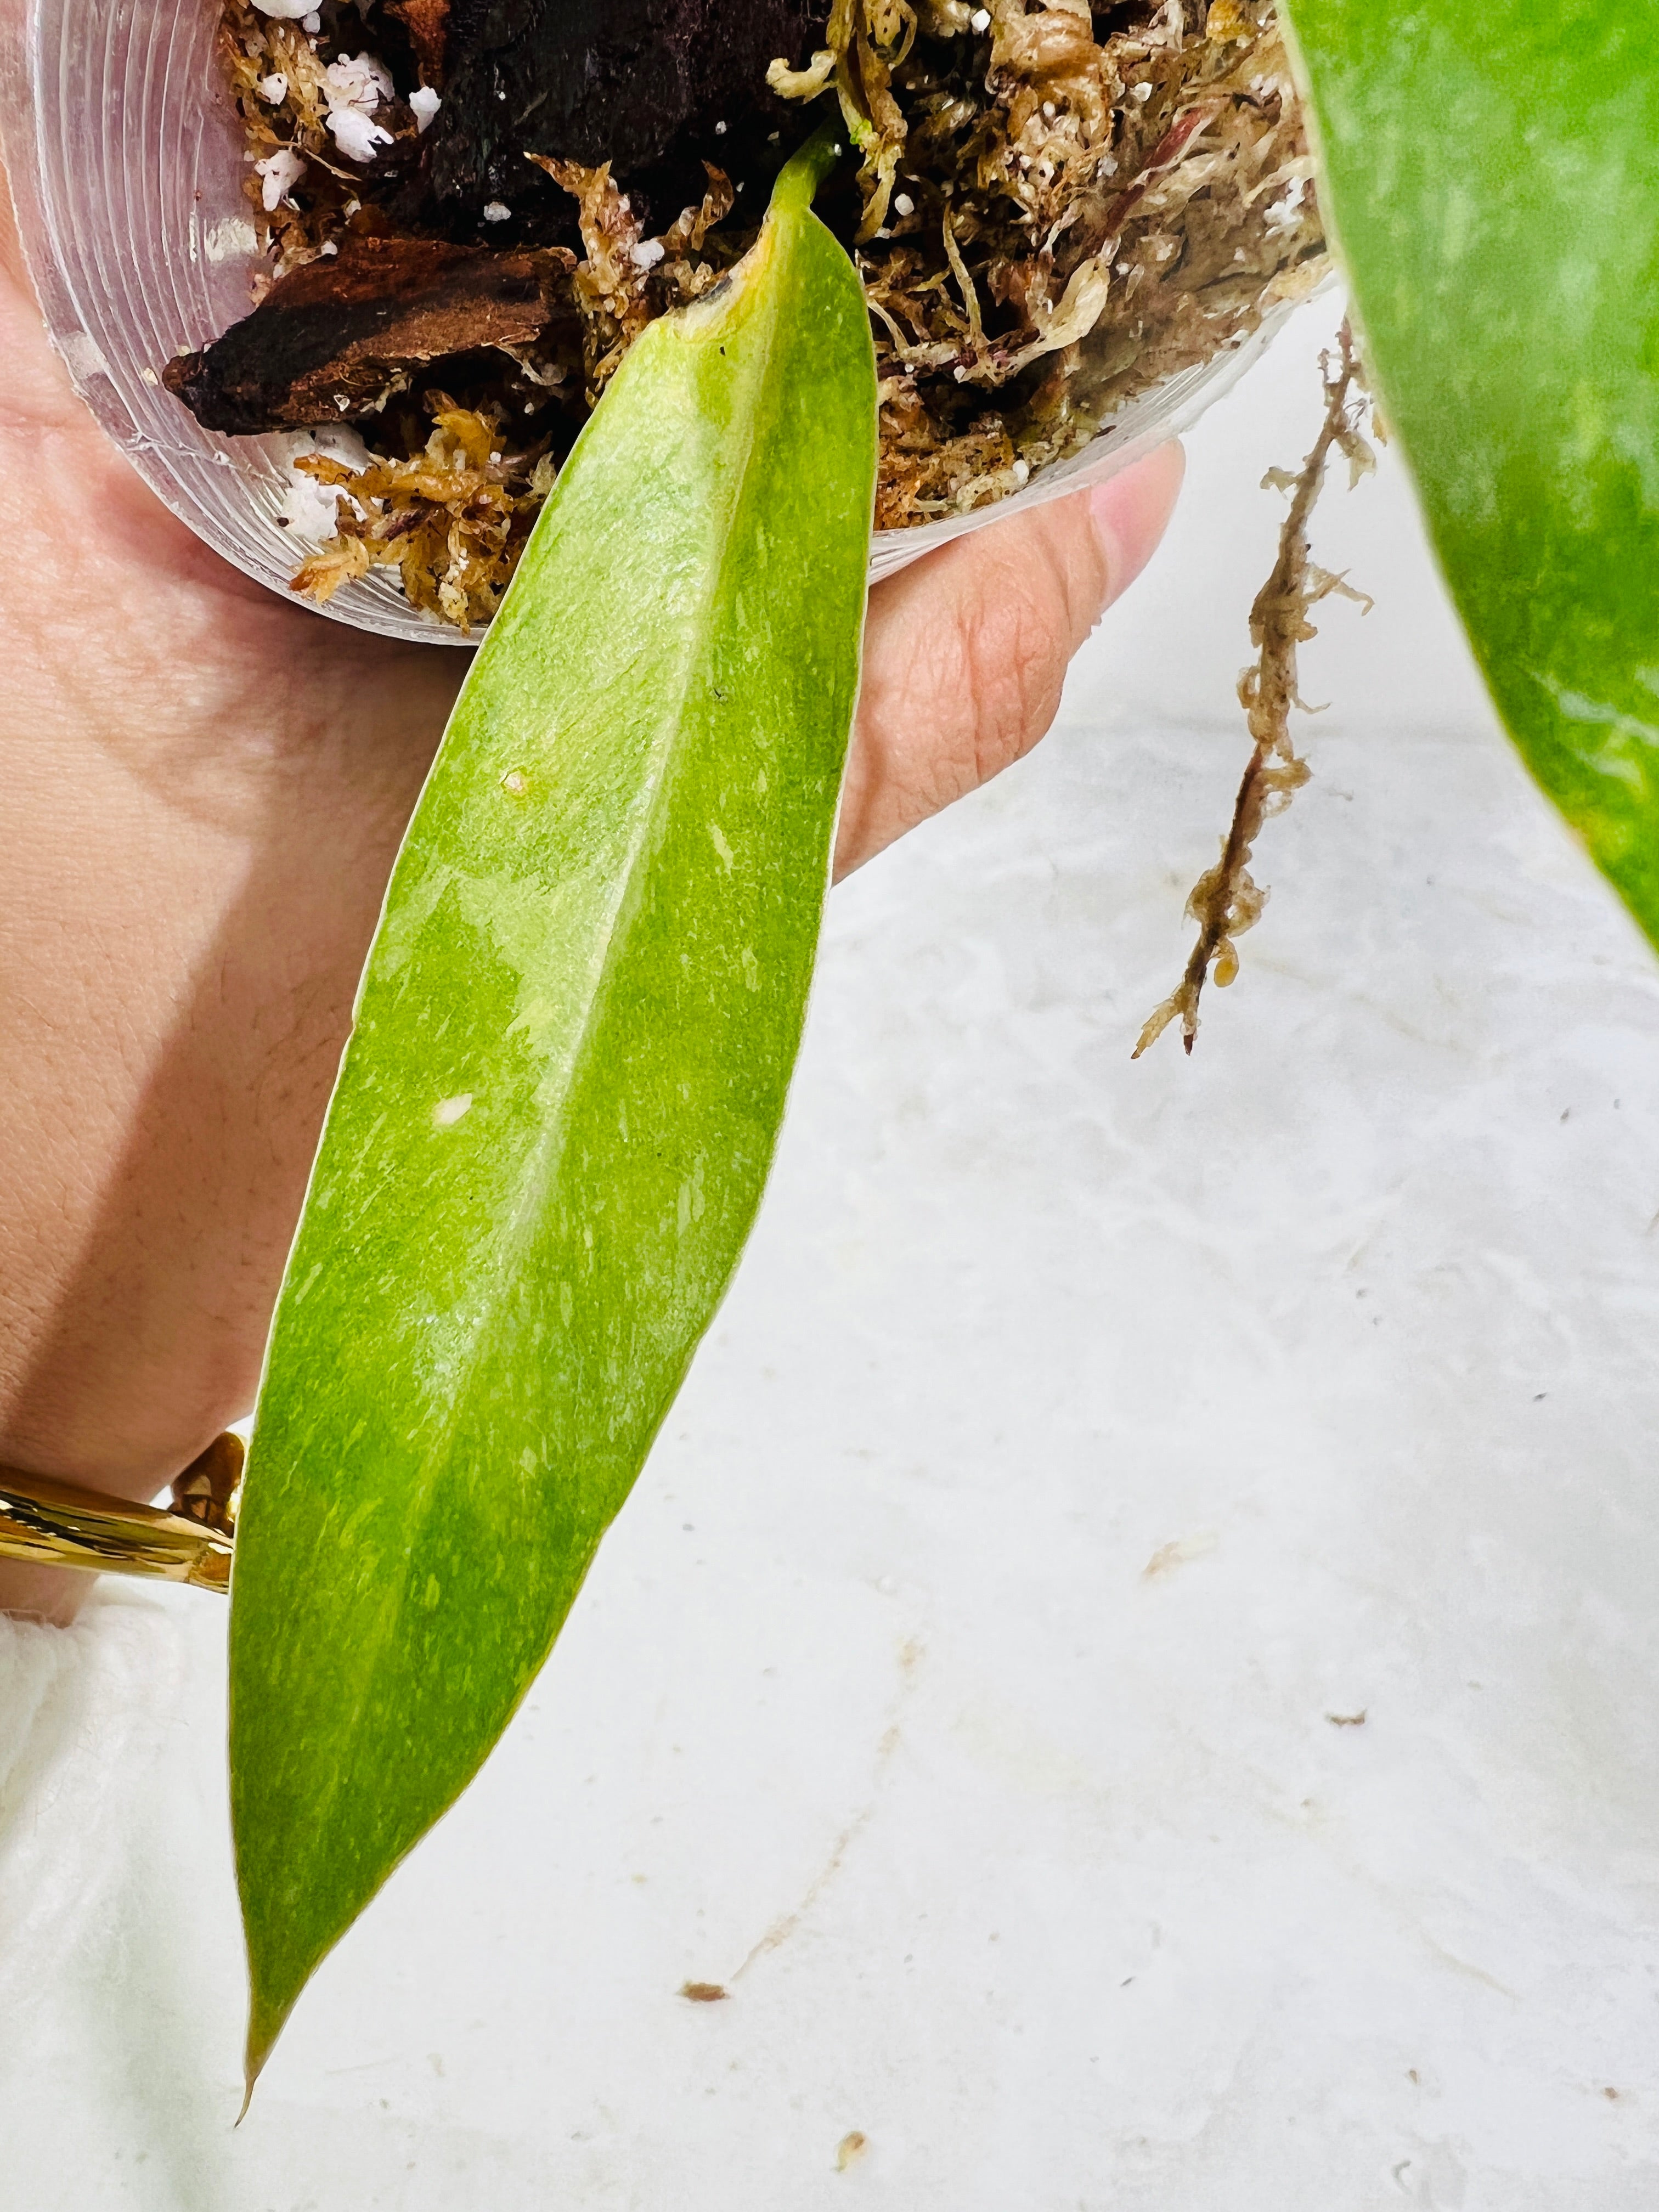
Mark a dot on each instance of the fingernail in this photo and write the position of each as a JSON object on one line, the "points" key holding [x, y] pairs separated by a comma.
{"points": [[1131, 510]]}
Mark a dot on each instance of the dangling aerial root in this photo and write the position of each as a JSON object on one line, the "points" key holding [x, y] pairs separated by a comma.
{"points": [[1226, 901]]}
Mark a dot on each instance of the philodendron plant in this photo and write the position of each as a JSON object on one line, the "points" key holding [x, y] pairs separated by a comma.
{"points": [[576, 1033]]}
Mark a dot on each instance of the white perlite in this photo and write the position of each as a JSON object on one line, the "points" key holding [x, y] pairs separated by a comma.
{"points": [[278, 174], [355, 86]]}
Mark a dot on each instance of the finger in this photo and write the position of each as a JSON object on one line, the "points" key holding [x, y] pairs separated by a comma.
{"points": [[965, 652]]}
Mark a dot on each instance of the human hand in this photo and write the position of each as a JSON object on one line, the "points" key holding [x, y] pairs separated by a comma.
{"points": [[206, 790]]}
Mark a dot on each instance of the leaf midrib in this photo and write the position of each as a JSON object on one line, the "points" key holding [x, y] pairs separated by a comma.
{"points": [[541, 1160]]}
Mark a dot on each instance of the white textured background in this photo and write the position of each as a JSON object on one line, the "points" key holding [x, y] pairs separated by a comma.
{"points": [[1078, 1438]]}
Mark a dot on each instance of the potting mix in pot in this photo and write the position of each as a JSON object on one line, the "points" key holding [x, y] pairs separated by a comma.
{"points": [[473, 210]]}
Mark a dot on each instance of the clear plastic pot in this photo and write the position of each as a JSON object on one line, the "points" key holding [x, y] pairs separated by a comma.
{"points": [[126, 162]]}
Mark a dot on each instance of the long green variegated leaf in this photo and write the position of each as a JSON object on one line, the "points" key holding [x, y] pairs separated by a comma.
{"points": [[1492, 177], [559, 1104]]}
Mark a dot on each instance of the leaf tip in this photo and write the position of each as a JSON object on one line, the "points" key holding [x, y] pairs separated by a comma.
{"points": [[265, 2022]]}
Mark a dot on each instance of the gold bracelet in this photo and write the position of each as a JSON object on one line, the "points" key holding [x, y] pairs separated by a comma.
{"points": [[58, 1524]]}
